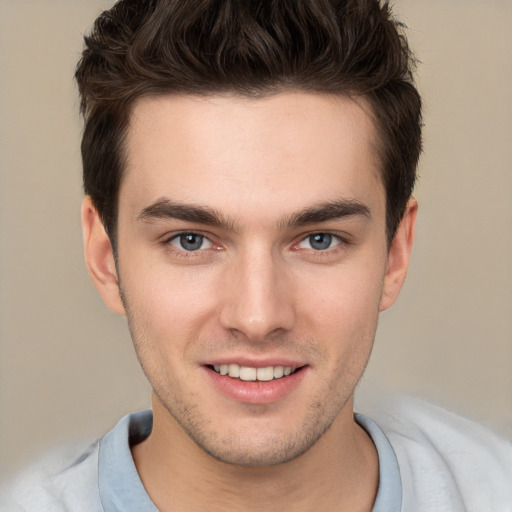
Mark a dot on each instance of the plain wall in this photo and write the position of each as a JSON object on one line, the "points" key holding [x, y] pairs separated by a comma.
{"points": [[67, 366]]}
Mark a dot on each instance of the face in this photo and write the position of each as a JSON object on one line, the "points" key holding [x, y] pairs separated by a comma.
{"points": [[251, 241]]}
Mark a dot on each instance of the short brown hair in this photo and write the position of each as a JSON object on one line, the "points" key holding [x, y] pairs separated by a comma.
{"points": [[249, 47]]}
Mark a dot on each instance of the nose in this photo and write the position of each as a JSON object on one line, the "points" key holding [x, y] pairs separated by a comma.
{"points": [[258, 298]]}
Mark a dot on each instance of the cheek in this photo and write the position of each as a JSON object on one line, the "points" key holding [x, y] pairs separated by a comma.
{"points": [[342, 311], [166, 308], [344, 299]]}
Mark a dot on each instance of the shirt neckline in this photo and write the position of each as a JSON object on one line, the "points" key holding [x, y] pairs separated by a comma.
{"points": [[120, 487], [389, 494]]}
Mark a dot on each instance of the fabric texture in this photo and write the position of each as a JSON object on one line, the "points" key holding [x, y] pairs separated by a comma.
{"points": [[430, 460], [447, 463]]}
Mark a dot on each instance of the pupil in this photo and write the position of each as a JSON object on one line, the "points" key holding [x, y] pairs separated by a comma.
{"points": [[321, 241], [191, 242]]}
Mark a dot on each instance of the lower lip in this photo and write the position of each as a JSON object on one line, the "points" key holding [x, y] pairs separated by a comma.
{"points": [[256, 392]]}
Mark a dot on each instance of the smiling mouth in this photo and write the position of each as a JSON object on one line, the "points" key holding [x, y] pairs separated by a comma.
{"points": [[247, 373]]}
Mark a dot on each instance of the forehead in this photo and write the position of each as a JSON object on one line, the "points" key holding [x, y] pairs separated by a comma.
{"points": [[234, 152]]}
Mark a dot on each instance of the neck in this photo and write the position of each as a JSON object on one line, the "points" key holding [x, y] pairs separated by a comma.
{"points": [[338, 473]]}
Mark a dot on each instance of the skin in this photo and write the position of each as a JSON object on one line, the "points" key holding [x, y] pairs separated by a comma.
{"points": [[257, 289]]}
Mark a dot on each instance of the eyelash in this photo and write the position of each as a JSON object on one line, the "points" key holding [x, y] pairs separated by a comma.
{"points": [[341, 245], [183, 253]]}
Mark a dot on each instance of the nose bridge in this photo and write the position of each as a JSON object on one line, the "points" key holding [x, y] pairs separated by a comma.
{"points": [[258, 302]]}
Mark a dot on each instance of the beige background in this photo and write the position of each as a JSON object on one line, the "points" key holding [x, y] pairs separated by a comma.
{"points": [[67, 368]]}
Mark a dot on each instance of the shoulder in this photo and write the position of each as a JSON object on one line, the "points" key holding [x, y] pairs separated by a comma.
{"points": [[63, 480], [446, 462]]}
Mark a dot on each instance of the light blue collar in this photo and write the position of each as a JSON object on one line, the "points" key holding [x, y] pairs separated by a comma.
{"points": [[121, 489], [389, 494]]}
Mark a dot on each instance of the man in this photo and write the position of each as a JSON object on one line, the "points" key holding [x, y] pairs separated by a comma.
{"points": [[248, 169]]}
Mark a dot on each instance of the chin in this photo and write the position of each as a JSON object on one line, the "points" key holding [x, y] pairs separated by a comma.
{"points": [[263, 446], [266, 452]]}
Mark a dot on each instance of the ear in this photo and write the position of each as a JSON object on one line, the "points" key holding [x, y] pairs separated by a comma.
{"points": [[398, 256], [99, 257]]}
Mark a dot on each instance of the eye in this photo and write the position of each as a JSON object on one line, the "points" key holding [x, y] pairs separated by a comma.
{"points": [[190, 242], [320, 242]]}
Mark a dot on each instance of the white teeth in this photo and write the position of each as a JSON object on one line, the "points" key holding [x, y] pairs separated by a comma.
{"points": [[265, 374], [278, 372], [234, 370], [247, 373]]}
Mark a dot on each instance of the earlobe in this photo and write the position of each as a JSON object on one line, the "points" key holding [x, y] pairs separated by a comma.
{"points": [[398, 256], [99, 257]]}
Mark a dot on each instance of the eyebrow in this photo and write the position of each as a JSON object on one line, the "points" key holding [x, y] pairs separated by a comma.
{"points": [[324, 212], [165, 208]]}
